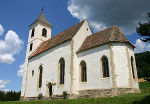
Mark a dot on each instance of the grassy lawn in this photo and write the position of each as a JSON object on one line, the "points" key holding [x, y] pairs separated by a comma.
{"points": [[139, 98]]}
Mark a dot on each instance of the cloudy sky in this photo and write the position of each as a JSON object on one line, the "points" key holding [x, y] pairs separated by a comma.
{"points": [[17, 15]]}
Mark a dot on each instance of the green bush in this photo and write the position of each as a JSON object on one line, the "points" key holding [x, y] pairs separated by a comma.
{"points": [[65, 94], [40, 96]]}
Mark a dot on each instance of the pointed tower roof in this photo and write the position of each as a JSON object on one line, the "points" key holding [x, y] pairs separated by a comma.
{"points": [[43, 19]]}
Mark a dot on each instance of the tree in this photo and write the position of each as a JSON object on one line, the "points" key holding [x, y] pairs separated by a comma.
{"points": [[144, 30], [2, 96]]}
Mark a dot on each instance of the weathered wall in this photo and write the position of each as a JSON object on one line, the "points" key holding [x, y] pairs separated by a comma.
{"points": [[92, 58], [134, 81], [77, 41], [122, 64], [49, 61]]}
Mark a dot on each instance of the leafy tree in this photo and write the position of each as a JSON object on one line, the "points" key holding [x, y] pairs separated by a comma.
{"points": [[144, 30], [2, 96]]}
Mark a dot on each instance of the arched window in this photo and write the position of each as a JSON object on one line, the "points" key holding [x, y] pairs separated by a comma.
{"points": [[132, 65], [83, 71], [61, 71], [32, 34], [44, 32], [40, 76], [105, 67]]}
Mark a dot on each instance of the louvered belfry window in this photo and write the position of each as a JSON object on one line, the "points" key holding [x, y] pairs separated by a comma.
{"points": [[44, 32]]}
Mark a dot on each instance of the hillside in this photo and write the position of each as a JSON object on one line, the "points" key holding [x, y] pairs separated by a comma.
{"points": [[143, 64]]}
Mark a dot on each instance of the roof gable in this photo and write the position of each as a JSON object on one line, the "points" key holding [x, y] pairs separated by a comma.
{"points": [[58, 39], [112, 34]]}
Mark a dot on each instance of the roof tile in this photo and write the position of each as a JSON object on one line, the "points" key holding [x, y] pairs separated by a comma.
{"points": [[112, 34]]}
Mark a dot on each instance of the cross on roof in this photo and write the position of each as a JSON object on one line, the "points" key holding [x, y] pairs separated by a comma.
{"points": [[42, 10]]}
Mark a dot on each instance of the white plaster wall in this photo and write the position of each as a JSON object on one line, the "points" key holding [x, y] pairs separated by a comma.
{"points": [[92, 58], [78, 39], [36, 40], [131, 53], [121, 64], [49, 61]]}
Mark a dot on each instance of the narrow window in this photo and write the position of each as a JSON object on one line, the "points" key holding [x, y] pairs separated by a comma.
{"points": [[32, 34], [83, 71], [32, 72], [31, 45], [44, 32], [40, 76], [105, 67], [62, 70], [132, 65]]}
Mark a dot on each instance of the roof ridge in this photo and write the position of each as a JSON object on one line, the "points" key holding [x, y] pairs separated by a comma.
{"points": [[67, 29], [113, 29]]}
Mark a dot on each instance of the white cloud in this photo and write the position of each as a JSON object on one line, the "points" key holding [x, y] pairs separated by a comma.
{"points": [[3, 83], [105, 13], [141, 46], [10, 46], [6, 58], [1, 29], [21, 70]]}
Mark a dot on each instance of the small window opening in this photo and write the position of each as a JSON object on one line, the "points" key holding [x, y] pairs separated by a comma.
{"points": [[31, 45]]}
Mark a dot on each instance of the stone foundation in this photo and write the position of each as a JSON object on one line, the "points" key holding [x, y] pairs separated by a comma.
{"points": [[106, 92], [93, 93]]}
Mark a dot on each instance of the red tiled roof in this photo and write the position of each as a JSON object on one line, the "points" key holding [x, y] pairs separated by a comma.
{"points": [[112, 34], [58, 39]]}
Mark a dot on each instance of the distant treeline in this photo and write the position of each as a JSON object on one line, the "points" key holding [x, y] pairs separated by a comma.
{"points": [[9, 96], [143, 65]]}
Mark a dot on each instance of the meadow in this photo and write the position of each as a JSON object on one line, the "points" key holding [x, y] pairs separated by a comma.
{"points": [[137, 98]]}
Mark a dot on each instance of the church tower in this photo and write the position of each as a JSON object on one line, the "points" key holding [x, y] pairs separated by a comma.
{"points": [[40, 31]]}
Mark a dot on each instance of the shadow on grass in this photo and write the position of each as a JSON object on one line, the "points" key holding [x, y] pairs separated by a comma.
{"points": [[145, 100]]}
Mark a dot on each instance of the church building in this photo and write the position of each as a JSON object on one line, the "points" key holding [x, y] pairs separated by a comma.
{"points": [[77, 62]]}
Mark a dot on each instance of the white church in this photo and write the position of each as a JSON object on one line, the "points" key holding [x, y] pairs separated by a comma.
{"points": [[77, 62]]}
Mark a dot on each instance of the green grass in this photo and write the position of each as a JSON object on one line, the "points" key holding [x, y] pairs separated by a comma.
{"points": [[138, 98]]}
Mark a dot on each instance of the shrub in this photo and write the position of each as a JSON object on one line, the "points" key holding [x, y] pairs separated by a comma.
{"points": [[40, 96], [65, 94]]}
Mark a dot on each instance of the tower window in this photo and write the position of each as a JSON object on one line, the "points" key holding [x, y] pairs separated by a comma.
{"points": [[44, 32], [62, 70], [105, 67], [31, 45], [83, 71], [40, 76], [32, 34]]}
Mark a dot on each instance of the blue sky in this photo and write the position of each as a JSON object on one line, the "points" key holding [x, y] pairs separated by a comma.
{"points": [[17, 15]]}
